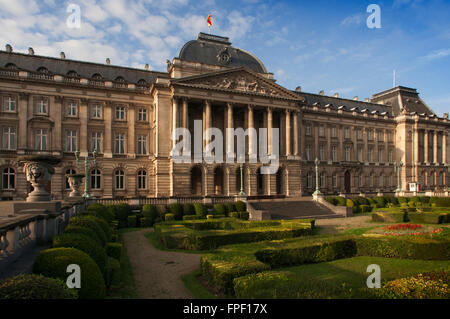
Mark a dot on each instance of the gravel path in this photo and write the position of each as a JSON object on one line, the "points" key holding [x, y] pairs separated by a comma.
{"points": [[335, 225], [157, 272]]}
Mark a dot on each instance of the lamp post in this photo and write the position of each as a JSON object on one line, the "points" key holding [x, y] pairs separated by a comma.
{"points": [[86, 194], [317, 192], [398, 170], [242, 193]]}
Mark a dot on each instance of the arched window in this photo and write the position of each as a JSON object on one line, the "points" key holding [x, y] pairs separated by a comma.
{"points": [[97, 76], [120, 179], [11, 66], [142, 83], [96, 179], [68, 172], [120, 79], [142, 179], [43, 70], [73, 74], [9, 179]]}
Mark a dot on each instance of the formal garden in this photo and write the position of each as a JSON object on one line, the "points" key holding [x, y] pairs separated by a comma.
{"points": [[408, 238]]}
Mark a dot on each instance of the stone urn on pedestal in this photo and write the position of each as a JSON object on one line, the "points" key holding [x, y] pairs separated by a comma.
{"points": [[39, 170], [75, 181]]}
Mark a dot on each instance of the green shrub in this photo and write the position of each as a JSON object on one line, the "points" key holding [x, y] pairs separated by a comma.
{"points": [[240, 206], [391, 199], [169, 217], [365, 208], [350, 203], [209, 217], [442, 202], [114, 250], [200, 209], [101, 211], [103, 224], [188, 209], [254, 286], [192, 217], [380, 201], [121, 213], [53, 263], [402, 200], [230, 207], [176, 210], [428, 218], [331, 200], [85, 244], [73, 229], [394, 217], [219, 209], [35, 287], [425, 199], [361, 201], [340, 201], [112, 272], [89, 222], [234, 214], [244, 215], [150, 213], [132, 221]]}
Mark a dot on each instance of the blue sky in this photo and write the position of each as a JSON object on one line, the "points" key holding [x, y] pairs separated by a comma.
{"points": [[319, 45]]}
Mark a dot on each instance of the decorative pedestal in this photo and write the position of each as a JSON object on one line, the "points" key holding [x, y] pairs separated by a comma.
{"points": [[75, 181]]}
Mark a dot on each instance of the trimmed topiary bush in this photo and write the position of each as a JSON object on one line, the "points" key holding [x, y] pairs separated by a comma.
{"points": [[132, 221], [350, 203], [425, 199], [244, 215], [230, 207], [442, 202], [35, 287], [121, 212], [85, 244], [192, 217], [89, 222], [234, 214], [101, 211], [53, 263], [112, 272], [380, 201], [104, 225], [240, 206], [200, 209], [151, 214], [114, 250], [402, 200], [365, 209], [219, 209], [188, 209], [177, 211], [341, 201], [331, 200], [169, 217], [74, 229]]}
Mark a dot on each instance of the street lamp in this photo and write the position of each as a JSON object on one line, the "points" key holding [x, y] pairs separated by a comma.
{"points": [[317, 192], [398, 170], [242, 193], [86, 166]]}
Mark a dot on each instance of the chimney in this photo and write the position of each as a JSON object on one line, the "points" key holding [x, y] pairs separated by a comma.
{"points": [[445, 115], [355, 98], [366, 99], [147, 67], [322, 92], [30, 51], [62, 55], [336, 95], [298, 89], [9, 48], [108, 61]]}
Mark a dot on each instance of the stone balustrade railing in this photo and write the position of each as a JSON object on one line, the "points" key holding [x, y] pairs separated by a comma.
{"points": [[23, 232], [166, 200]]}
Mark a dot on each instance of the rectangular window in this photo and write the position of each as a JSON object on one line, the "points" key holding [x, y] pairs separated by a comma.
{"points": [[142, 115], [9, 104], [369, 154], [360, 154], [71, 141], [96, 142], [347, 154], [120, 112], [380, 155], [360, 180], [334, 178], [9, 138], [40, 142], [347, 133], [72, 108], [119, 145], [142, 145], [334, 153], [308, 152], [333, 132], [370, 135], [380, 136], [322, 152], [390, 156], [308, 130], [42, 107], [359, 134], [390, 136], [96, 111], [321, 131], [96, 179]]}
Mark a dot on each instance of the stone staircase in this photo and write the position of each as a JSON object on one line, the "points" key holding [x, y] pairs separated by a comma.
{"points": [[294, 209]]}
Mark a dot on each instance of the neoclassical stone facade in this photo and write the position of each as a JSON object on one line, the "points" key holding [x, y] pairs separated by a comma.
{"points": [[58, 106]]}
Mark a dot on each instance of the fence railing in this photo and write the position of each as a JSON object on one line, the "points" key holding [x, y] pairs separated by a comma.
{"points": [[166, 200]]}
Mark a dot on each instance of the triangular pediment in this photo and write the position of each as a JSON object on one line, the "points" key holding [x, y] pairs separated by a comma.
{"points": [[239, 80]]}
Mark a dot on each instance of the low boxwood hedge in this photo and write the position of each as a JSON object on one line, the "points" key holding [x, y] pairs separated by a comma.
{"points": [[73, 229], [53, 263], [114, 250], [200, 209], [132, 221], [219, 209], [240, 206], [85, 244], [112, 272], [91, 223], [151, 214], [101, 211], [35, 287], [192, 217]]}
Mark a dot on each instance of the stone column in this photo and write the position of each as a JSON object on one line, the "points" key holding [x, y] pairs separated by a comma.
{"points": [[269, 131], [207, 122], [366, 145], [174, 120], [185, 119], [83, 127], [22, 130], [288, 133], [435, 148], [250, 126], [295, 134], [425, 146], [416, 154], [229, 135], [131, 132], [444, 148], [108, 134]]}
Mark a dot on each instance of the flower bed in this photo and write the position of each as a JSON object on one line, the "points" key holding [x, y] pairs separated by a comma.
{"points": [[406, 230]]}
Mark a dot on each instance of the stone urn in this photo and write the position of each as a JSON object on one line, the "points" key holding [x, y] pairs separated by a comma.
{"points": [[39, 170], [75, 181]]}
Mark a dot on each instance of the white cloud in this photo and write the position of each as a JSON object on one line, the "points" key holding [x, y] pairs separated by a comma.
{"points": [[356, 19], [437, 54]]}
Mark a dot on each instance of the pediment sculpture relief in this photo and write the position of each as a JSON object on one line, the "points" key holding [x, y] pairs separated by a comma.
{"points": [[241, 83]]}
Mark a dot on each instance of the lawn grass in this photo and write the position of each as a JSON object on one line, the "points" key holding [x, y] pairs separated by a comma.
{"points": [[343, 278], [152, 238], [191, 282], [126, 288], [358, 231]]}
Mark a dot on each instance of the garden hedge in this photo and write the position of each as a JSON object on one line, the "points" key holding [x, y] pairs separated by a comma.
{"points": [[151, 214], [114, 250], [132, 221], [240, 206], [53, 263], [89, 222], [176, 210], [219, 209], [35, 287], [192, 217], [200, 209], [188, 209], [73, 229], [85, 244], [101, 211], [112, 272]]}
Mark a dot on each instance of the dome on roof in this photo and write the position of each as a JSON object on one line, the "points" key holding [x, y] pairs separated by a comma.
{"points": [[216, 50]]}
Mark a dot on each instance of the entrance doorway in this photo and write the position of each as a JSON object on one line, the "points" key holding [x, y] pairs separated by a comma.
{"points": [[347, 182]]}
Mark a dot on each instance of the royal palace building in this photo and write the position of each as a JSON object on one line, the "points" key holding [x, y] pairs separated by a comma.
{"points": [[57, 106]]}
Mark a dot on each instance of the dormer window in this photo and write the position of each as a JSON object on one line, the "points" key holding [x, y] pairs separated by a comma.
{"points": [[142, 83], [97, 76], [11, 66], [73, 74], [43, 70]]}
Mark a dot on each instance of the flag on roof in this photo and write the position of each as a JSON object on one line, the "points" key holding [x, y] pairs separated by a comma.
{"points": [[209, 21]]}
